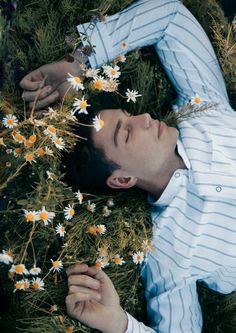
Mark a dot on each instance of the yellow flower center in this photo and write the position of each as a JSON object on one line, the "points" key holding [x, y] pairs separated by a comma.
{"points": [[40, 151], [19, 137], [18, 150], [30, 217], [98, 264], [77, 79], [58, 141], [29, 157], [120, 57], [101, 122], [19, 268], [56, 263], [71, 212], [139, 258], [10, 121], [32, 138], [198, 100], [92, 230], [43, 215], [62, 229], [51, 129], [18, 285], [113, 71], [117, 260], [98, 84], [60, 318], [26, 284], [28, 143], [83, 104], [69, 329], [1, 141], [99, 229], [35, 285]]}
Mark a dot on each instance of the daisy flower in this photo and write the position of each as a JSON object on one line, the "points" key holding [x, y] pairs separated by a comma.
{"points": [[75, 82], [45, 216], [60, 230], [101, 263], [69, 212], [18, 137], [98, 82], [48, 151], [92, 72], [19, 269], [110, 85], [98, 123], [101, 229], [6, 257], [92, 229], [121, 58], [29, 157], [40, 151], [132, 95], [32, 138], [111, 72], [37, 283], [53, 308], [70, 329], [35, 270], [110, 203], [17, 151], [91, 207], [28, 144], [31, 215], [2, 142], [59, 143], [50, 131], [106, 212], [52, 113], [118, 260], [138, 257], [19, 285], [196, 100], [81, 105], [56, 265], [10, 121], [79, 196]]}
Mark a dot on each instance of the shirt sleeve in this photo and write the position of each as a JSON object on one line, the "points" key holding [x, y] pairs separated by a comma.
{"points": [[172, 302], [180, 42]]}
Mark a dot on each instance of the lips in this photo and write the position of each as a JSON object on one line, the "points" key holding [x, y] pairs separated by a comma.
{"points": [[161, 128]]}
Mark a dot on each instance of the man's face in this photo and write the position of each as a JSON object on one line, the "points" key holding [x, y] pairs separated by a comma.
{"points": [[140, 145]]}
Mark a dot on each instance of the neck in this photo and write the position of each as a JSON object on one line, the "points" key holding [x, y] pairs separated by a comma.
{"points": [[156, 184]]}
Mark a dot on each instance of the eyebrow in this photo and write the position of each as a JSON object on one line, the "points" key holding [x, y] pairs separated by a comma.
{"points": [[118, 126]]}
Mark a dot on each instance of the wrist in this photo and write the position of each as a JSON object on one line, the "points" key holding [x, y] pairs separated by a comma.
{"points": [[119, 322]]}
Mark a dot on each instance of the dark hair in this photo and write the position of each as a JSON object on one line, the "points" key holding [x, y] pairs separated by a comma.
{"points": [[87, 167]]}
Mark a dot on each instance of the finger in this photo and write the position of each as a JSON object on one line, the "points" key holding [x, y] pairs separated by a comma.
{"points": [[52, 98], [72, 300], [29, 96], [77, 269], [83, 280], [94, 294], [33, 81]]}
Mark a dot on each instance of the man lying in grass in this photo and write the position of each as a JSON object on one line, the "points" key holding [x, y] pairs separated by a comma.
{"points": [[189, 171]]}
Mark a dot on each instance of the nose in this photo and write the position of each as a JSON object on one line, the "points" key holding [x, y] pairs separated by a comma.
{"points": [[142, 120]]}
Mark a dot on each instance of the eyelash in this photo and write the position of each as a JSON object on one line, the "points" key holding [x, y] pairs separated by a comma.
{"points": [[128, 133]]}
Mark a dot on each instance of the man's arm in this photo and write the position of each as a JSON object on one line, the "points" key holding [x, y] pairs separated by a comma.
{"points": [[182, 45]]}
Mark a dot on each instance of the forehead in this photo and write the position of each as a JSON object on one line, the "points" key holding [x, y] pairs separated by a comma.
{"points": [[106, 134]]}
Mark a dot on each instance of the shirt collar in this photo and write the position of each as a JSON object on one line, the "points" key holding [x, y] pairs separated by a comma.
{"points": [[173, 186]]}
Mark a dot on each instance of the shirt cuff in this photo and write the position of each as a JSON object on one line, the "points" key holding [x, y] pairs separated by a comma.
{"points": [[99, 39]]}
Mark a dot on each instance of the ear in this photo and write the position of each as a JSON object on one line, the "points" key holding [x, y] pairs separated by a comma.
{"points": [[120, 179]]}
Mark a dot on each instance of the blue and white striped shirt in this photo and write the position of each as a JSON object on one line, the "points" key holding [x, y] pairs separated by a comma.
{"points": [[194, 226]]}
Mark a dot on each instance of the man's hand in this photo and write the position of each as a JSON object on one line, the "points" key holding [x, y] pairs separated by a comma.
{"points": [[48, 83], [93, 300]]}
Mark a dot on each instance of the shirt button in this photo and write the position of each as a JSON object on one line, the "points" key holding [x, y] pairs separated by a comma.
{"points": [[218, 188], [177, 174]]}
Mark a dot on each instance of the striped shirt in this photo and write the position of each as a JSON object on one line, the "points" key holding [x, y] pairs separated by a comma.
{"points": [[194, 228]]}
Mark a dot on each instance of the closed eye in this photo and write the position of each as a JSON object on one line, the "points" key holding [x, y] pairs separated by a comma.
{"points": [[128, 135]]}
